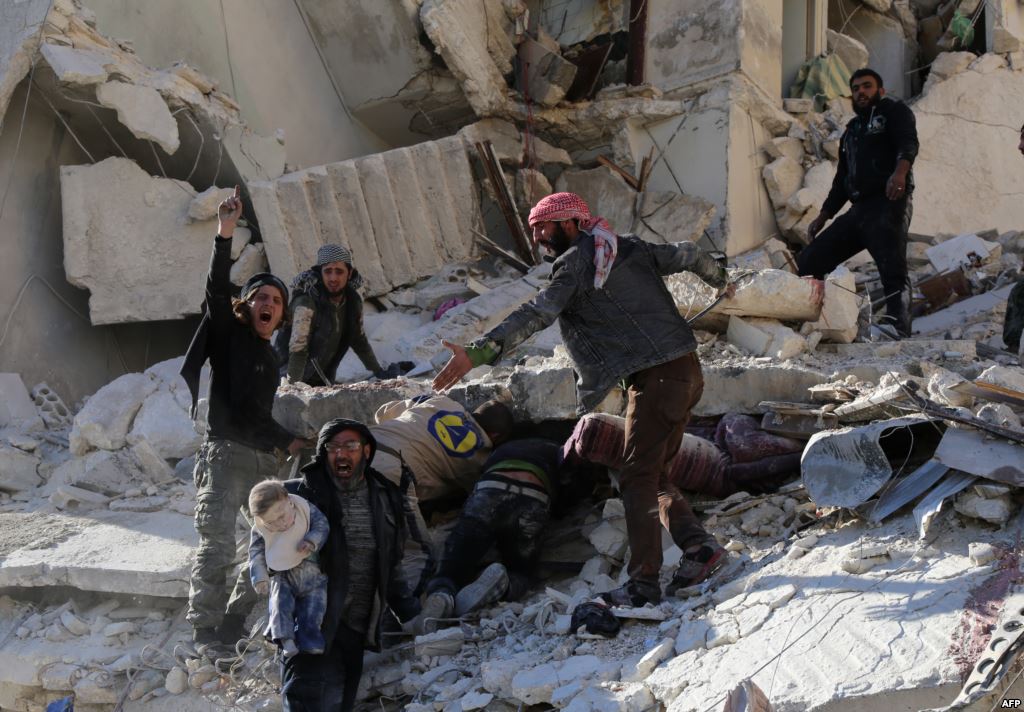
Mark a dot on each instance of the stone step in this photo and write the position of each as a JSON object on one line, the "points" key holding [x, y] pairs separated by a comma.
{"points": [[404, 213]]}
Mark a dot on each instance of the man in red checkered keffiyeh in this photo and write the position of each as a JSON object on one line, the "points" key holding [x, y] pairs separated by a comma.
{"points": [[622, 328], [559, 207]]}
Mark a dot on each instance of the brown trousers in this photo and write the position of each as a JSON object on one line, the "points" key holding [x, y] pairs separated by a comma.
{"points": [[660, 401]]}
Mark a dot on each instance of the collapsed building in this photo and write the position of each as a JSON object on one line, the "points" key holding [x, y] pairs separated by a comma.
{"points": [[418, 133]]}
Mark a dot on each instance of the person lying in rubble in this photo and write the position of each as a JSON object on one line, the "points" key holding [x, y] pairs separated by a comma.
{"points": [[367, 515], [326, 320], [433, 448], [1013, 324], [876, 153], [619, 323], [508, 508], [287, 533], [241, 435]]}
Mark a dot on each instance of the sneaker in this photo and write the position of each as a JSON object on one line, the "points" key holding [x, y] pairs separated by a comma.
{"points": [[634, 594], [697, 566], [208, 644], [438, 605], [488, 588]]}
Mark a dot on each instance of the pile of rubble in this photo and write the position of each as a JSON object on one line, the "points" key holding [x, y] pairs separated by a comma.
{"points": [[874, 582]]}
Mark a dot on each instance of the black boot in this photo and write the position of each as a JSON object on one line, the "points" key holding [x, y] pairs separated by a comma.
{"points": [[232, 629]]}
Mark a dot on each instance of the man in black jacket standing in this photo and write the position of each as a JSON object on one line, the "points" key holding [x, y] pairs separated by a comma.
{"points": [[241, 435], [876, 153], [619, 323], [367, 515]]}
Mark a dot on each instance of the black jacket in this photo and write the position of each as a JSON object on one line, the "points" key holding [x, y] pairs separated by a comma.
{"points": [[868, 152], [243, 366], [387, 504], [353, 335], [630, 324]]}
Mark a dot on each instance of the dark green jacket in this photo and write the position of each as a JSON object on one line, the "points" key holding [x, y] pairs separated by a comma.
{"points": [[322, 333]]}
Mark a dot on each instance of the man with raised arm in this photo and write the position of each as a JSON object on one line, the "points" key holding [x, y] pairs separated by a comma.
{"points": [[241, 436]]}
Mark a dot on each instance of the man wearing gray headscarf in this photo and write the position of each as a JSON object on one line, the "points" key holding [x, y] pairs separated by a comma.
{"points": [[326, 320]]}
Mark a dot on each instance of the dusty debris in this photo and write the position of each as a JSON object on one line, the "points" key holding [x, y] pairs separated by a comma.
{"points": [[98, 504]]}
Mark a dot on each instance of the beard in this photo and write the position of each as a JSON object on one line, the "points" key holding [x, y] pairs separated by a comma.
{"points": [[872, 102], [356, 477], [559, 242]]}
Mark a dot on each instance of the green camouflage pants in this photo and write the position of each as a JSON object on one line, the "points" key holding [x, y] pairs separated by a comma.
{"points": [[225, 472]]}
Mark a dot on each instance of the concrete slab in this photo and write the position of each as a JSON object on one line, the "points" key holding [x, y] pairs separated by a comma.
{"points": [[16, 407], [143, 111], [471, 37], [961, 312], [128, 240], [895, 638], [19, 471], [105, 419], [988, 178], [77, 66], [113, 552], [772, 293], [403, 213]]}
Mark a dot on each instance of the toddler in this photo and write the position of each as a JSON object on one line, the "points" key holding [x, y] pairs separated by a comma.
{"points": [[287, 534]]}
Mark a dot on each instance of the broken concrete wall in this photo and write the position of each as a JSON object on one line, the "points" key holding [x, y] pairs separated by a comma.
{"points": [[475, 39], [384, 67], [968, 126], [287, 88], [891, 54], [1004, 25], [690, 41], [403, 213], [761, 44], [19, 38], [711, 151], [145, 113], [803, 36], [48, 336], [573, 21], [655, 216]]}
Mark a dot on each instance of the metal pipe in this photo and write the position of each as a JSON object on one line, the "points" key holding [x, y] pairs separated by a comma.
{"points": [[637, 42]]}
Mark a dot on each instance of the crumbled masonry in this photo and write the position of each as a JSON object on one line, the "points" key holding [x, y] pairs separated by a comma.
{"points": [[867, 490]]}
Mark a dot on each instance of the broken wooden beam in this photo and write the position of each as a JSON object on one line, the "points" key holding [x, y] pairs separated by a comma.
{"points": [[503, 194]]}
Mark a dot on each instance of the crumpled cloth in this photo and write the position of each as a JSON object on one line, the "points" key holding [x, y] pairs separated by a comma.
{"points": [[597, 618]]}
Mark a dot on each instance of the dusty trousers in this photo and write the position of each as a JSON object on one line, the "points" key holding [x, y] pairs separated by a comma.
{"points": [[880, 226], [225, 472], [660, 401], [510, 520], [327, 682]]}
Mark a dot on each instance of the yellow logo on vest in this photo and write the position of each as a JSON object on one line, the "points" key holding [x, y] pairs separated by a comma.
{"points": [[457, 433]]}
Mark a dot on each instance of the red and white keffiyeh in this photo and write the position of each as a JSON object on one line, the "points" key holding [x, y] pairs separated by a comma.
{"points": [[569, 206]]}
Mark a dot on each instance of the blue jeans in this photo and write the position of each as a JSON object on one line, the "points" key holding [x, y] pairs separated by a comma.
{"points": [[298, 600]]}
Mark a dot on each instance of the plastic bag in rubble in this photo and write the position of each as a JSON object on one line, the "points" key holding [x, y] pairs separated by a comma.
{"points": [[962, 28], [65, 704], [597, 618]]}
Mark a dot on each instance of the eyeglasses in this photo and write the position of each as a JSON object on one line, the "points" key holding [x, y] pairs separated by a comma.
{"points": [[350, 445]]}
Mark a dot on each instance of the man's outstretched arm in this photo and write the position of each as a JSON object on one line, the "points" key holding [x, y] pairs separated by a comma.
{"points": [[538, 313]]}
